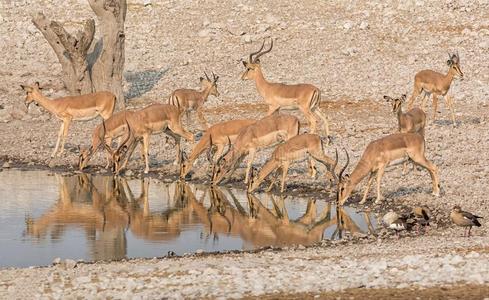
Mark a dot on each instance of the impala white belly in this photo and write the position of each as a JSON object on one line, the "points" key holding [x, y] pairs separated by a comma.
{"points": [[84, 114], [269, 139]]}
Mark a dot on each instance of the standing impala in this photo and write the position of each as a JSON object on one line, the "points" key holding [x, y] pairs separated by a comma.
{"points": [[264, 133], [71, 108], [304, 97], [298, 148], [412, 121], [218, 135], [153, 119], [192, 100], [431, 82], [378, 155]]}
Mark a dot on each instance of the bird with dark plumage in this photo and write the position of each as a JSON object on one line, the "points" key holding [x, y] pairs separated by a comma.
{"points": [[421, 216], [464, 219]]}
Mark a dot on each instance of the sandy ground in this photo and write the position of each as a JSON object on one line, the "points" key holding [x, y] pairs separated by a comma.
{"points": [[355, 52]]}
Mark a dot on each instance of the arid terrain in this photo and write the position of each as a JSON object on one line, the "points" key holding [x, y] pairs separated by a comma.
{"points": [[355, 52]]}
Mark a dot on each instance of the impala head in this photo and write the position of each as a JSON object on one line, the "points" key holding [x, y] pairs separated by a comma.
{"points": [[207, 83], [253, 65], [185, 165], [118, 154], [396, 103], [84, 157], [344, 184], [456, 208], [454, 63], [33, 93]]}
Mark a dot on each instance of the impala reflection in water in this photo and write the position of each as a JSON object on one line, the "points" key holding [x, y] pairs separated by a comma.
{"points": [[104, 218]]}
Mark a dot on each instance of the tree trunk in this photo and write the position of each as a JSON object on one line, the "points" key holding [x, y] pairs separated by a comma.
{"points": [[71, 52], [107, 71], [101, 70]]}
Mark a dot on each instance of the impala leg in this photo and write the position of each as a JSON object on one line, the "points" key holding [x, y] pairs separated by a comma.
{"points": [[178, 146], [251, 158], [202, 119], [318, 112], [367, 188], [311, 119], [380, 173], [108, 157], [435, 106], [415, 94], [426, 97], [285, 169], [449, 101], [312, 167], [66, 126], [61, 129], [421, 160], [146, 153]]}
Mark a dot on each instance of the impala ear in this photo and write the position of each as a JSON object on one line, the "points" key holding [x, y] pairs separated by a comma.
{"points": [[449, 62], [26, 88], [245, 63], [403, 97], [201, 79], [37, 85], [387, 98]]}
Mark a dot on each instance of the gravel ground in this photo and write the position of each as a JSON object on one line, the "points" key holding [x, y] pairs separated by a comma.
{"points": [[412, 262], [356, 52]]}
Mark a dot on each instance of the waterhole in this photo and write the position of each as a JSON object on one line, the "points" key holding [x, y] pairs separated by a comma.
{"points": [[45, 215]]}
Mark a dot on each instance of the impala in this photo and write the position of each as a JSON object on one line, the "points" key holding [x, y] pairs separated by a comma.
{"points": [[304, 97], [412, 121], [153, 119], [378, 155], [264, 133], [192, 100], [218, 135], [298, 148], [71, 108], [111, 129], [431, 82]]}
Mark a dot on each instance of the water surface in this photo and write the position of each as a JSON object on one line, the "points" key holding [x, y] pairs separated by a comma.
{"points": [[92, 217]]}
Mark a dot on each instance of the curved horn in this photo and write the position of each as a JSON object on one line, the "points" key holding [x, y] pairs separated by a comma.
{"points": [[227, 151], [261, 48], [335, 164], [214, 76], [206, 76], [129, 133], [264, 52], [346, 165]]}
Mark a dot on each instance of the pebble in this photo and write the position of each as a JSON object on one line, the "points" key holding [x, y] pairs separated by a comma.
{"points": [[6, 165]]}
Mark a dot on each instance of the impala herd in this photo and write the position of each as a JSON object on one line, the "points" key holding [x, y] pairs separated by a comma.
{"points": [[227, 143]]}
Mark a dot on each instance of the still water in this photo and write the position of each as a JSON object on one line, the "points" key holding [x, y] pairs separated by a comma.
{"points": [[92, 217]]}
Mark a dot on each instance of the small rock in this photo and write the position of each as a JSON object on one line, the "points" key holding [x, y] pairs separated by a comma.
{"points": [[69, 263], [246, 38], [203, 33], [6, 165], [56, 261], [348, 25], [128, 173], [52, 164], [199, 251], [364, 25]]}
